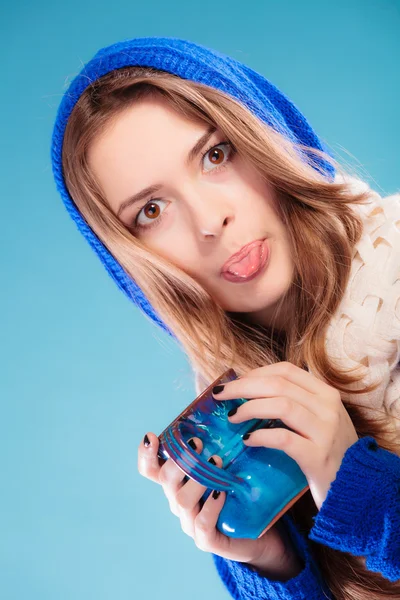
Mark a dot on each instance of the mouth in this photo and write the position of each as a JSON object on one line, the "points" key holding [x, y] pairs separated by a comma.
{"points": [[247, 263]]}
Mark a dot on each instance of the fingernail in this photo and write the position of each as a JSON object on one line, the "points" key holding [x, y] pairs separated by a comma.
{"points": [[246, 436], [212, 461], [185, 479], [146, 441], [217, 389], [232, 412], [192, 444], [215, 494]]}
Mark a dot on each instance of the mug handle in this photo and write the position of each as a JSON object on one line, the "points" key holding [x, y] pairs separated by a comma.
{"points": [[197, 467]]}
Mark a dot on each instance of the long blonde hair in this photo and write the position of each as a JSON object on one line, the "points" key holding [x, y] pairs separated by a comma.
{"points": [[321, 224]]}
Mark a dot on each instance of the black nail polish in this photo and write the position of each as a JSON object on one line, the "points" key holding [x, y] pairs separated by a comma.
{"points": [[215, 494], [232, 412], [217, 389], [212, 461], [192, 444], [246, 436], [146, 441], [185, 479]]}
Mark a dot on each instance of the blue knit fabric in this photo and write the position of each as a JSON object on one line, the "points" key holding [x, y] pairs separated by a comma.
{"points": [[245, 584], [361, 513], [196, 63]]}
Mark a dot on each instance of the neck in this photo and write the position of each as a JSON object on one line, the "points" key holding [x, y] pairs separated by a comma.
{"points": [[277, 317]]}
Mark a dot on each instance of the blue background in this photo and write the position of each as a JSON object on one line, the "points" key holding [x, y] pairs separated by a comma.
{"points": [[83, 374]]}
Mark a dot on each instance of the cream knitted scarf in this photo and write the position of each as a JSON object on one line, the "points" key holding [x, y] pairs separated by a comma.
{"points": [[365, 329]]}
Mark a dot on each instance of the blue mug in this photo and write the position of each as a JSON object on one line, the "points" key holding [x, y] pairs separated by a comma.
{"points": [[261, 484]]}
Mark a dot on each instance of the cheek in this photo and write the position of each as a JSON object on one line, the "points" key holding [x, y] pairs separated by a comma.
{"points": [[177, 250]]}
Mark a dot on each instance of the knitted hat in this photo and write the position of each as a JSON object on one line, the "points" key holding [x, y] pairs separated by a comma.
{"points": [[188, 61]]}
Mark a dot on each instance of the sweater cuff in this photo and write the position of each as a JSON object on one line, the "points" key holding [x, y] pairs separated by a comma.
{"points": [[352, 516], [245, 583]]}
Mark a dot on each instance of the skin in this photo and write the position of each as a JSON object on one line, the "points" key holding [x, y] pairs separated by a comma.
{"points": [[221, 194], [205, 212]]}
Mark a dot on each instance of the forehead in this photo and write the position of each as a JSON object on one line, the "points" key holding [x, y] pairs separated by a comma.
{"points": [[146, 143], [148, 121]]}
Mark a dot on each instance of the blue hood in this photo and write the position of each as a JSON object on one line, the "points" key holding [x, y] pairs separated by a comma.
{"points": [[189, 61]]}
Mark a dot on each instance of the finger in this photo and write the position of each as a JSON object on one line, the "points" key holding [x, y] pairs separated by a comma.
{"points": [[272, 387], [148, 461], [188, 504], [300, 449], [206, 535], [209, 539], [188, 500], [285, 370], [292, 413], [291, 372], [172, 478]]}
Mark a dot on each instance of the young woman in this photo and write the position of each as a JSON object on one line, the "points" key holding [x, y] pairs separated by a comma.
{"points": [[216, 209]]}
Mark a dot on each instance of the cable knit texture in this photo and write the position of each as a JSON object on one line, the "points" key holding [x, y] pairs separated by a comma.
{"points": [[365, 330]]}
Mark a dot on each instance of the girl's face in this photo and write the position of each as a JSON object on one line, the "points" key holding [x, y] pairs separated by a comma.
{"points": [[205, 206]]}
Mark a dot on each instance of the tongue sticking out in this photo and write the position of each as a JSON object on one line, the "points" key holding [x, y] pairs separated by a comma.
{"points": [[248, 265]]}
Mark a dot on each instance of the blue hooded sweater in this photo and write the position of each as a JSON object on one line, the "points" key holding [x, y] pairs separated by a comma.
{"points": [[361, 514]]}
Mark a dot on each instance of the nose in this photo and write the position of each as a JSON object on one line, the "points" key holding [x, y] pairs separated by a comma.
{"points": [[211, 213], [205, 234]]}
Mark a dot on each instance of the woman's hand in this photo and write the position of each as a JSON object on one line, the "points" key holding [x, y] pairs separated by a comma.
{"points": [[323, 429], [272, 555]]}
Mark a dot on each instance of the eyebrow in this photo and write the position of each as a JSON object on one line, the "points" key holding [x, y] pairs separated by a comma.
{"points": [[151, 189]]}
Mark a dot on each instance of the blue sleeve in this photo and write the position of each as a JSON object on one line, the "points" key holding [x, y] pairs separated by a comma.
{"points": [[361, 513], [244, 583]]}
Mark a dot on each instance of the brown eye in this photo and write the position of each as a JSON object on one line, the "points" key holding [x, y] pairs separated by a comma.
{"points": [[152, 211], [216, 156], [151, 214]]}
